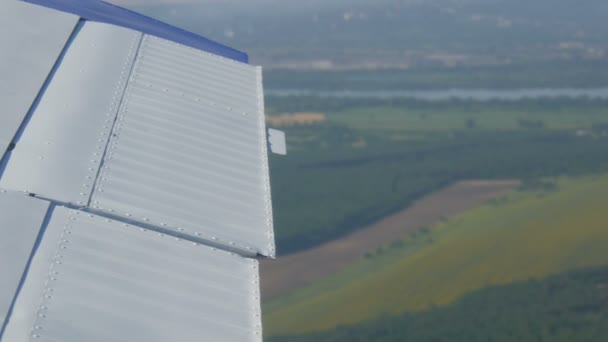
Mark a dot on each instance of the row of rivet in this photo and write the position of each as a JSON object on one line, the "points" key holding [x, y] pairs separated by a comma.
{"points": [[198, 51], [182, 94], [256, 305], [203, 55], [53, 275], [58, 259], [106, 171], [266, 170], [106, 130]]}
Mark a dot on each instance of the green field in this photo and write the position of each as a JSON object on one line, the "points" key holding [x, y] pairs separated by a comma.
{"points": [[421, 120], [369, 160], [530, 234], [555, 74], [571, 306]]}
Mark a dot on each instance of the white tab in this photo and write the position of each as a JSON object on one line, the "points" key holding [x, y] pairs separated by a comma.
{"points": [[276, 139]]}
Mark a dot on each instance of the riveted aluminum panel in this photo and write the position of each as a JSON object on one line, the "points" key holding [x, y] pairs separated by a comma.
{"points": [[188, 152], [59, 153], [31, 40], [21, 218], [94, 279]]}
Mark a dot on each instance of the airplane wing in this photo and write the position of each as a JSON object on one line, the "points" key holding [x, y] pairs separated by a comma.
{"points": [[134, 186]]}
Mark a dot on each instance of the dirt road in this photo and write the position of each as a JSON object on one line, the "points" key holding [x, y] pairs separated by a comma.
{"points": [[298, 270]]}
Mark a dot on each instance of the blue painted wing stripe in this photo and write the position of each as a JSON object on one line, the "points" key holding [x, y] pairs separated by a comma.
{"points": [[96, 10]]}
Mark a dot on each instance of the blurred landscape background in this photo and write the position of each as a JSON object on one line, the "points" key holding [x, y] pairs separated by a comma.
{"points": [[447, 176]]}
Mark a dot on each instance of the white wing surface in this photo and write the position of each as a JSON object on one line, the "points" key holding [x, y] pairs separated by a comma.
{"points": [[134, 190]]}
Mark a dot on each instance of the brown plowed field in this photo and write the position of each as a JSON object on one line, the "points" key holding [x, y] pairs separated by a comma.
{"points": [[300, 269]]}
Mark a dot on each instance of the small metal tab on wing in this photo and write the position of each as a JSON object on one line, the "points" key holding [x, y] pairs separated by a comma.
{"points": [[276, 139]]}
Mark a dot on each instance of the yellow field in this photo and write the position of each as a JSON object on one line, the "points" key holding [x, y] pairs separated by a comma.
{"points": [[295, 119], [529, 235]]}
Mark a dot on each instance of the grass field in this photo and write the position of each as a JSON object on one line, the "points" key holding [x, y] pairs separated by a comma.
{"points": [[368, 161], [527, 235], [293, 272], [570, 306], [478, 116]]}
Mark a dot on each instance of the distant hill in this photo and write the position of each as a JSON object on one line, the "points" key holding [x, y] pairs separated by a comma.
{"points": [[400, 33]]}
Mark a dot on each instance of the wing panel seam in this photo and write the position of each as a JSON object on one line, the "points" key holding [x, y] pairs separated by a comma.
{"points": [[122, 83]]}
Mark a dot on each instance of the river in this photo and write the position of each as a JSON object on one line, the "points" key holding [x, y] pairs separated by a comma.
{"points": [[461, 94]]}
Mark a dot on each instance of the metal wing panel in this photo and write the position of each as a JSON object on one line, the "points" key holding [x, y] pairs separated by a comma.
{"points": [[59, 153], [20, 220], [188, 152], [102, 11], [30, 49], [95, 279]]}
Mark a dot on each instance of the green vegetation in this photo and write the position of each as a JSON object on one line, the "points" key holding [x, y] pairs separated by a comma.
{"points": [[370, 264], [364, 34], [529, 235], [585, 74], [567, 307], [369, 161]]}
